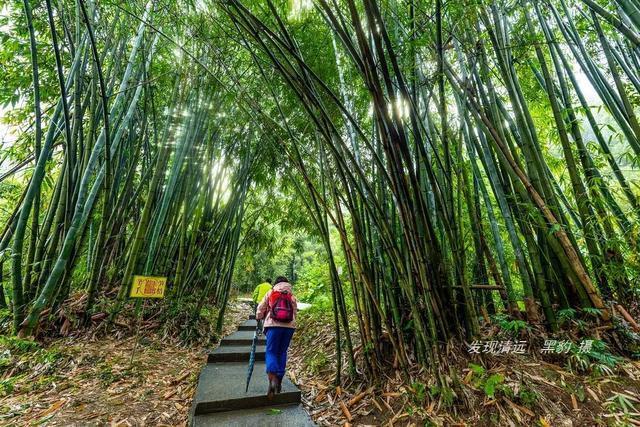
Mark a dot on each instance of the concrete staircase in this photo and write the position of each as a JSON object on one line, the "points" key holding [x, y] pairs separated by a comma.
{"points": [[220, 398]]}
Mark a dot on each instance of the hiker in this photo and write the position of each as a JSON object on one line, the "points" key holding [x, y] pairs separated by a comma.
{"points": [[278, 308], [260, 291]]}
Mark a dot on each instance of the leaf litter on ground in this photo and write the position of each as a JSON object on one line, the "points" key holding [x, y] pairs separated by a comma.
{"points": [[514, 390], [89, 379]]}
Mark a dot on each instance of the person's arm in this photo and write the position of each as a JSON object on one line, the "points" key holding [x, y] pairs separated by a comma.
{"points": [[263, 307]]}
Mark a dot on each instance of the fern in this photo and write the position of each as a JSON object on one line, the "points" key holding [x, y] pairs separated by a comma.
{"points": [[566, 315]]}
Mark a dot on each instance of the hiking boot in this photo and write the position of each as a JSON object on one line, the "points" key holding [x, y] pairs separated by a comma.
{"points": [[273, 385]]}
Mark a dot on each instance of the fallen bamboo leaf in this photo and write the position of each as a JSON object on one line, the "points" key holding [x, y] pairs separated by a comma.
{"points": [[54, 407], [377, 405], [630, 393], [357, 398], [182, 377], [520, 408], [467, 378], [388, 406], [345, 411], [398, 417], [98, 316], [170, 394]]}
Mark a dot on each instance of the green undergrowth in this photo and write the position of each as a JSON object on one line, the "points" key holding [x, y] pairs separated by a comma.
{"points": [[310, 324], [20, 358], [181, 319], [315, 340], [510, 327], [493, 385], [5, 321], [476, 386], [598, 358]]}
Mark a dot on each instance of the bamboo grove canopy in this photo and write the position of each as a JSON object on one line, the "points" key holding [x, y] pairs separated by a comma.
{"points": [[473, 156]]}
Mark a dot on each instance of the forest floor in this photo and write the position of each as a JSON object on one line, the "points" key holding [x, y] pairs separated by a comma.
{"points": [[89, 380], [530, 389]]}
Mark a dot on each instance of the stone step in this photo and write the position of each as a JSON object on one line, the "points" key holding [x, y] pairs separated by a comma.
{"points": [[248, 325], [221, 388], [234, 353], [276, 416], [242, 338]]}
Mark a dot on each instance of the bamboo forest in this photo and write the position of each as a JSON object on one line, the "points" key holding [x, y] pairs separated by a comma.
{"points": [[450, 190]]}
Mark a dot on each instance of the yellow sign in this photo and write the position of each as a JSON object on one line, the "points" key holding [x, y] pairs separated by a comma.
{"points": [[148, 287]]}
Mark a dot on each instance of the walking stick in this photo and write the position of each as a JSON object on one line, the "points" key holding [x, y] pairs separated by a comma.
{"points": [[252, 355]]}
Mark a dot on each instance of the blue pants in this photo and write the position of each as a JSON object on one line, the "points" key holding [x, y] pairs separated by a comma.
{"points": [[278, 339]]}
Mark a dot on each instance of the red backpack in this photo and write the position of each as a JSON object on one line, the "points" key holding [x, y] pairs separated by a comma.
{"points": [[281, 305]]}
